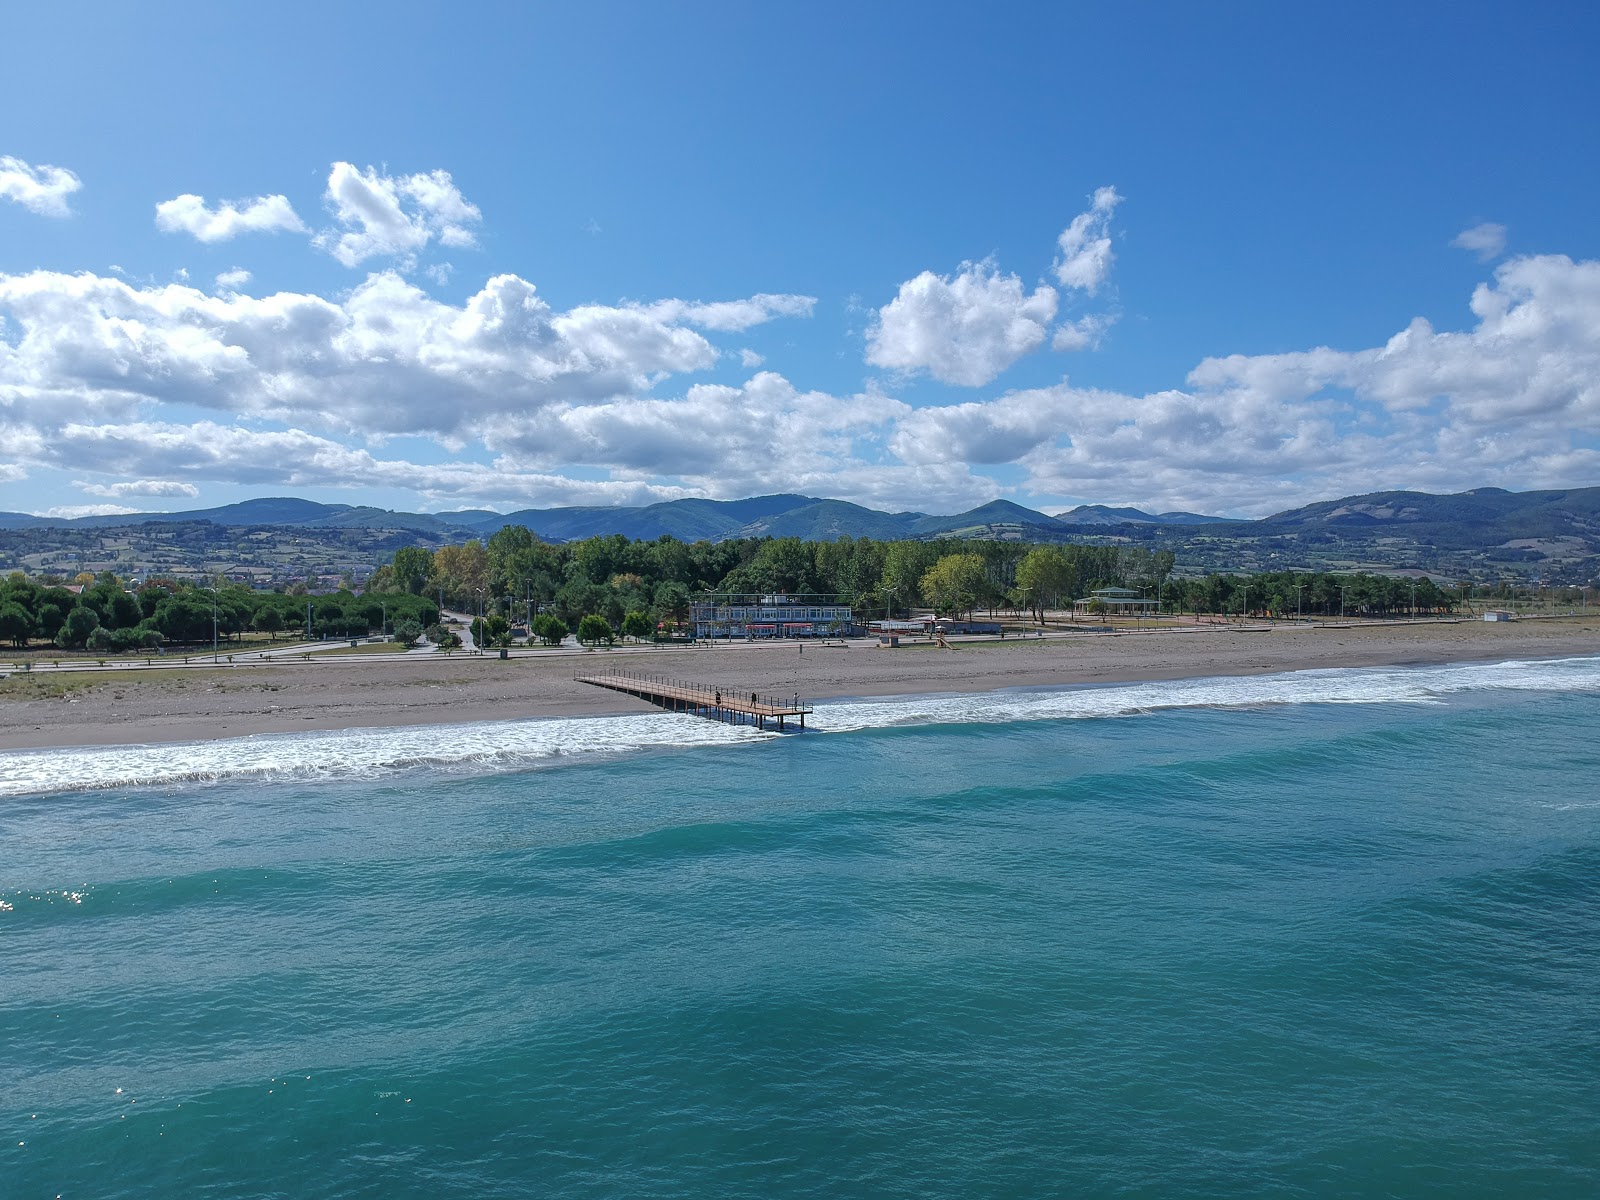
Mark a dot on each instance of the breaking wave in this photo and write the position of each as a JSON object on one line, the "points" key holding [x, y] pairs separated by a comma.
{"points": [[503, 746]]}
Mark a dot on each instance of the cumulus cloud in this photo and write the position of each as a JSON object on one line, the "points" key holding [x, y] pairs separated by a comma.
{"points": [[749, 358], [190, 214], [1083, 334], [1514, 402], [232, 281], [42, 189], [1487, 241], [1086, 255], [963, 329], [395, 216], [539, 406], [138, 487]]}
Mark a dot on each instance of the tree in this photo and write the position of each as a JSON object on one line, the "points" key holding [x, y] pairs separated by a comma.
{"points": [[99, 638], [594, 629], [550, 629], [15, 623], [461, 570], [410, 570], [637, 625], [269, 620], [75, 631], [672, 601], [955, 582], [1044, 575], [407, 633]]}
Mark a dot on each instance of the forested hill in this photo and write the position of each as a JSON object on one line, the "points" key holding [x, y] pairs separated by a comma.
{"points": [[1480, 534]]}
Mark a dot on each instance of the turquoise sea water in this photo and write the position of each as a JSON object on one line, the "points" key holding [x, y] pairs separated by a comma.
{"points": [[1328, 934]]}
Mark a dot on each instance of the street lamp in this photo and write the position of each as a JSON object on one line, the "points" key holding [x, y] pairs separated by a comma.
{"points": [[1299, 605], [477, 637], [1343, 592]]}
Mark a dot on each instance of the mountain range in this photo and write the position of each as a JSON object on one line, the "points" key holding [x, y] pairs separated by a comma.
{"points": [[1484, 533], [692, 520]]}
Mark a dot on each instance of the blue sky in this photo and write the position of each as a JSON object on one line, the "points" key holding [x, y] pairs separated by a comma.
{"points": [[917, 256]]}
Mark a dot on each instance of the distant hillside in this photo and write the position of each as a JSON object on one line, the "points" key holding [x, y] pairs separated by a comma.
{"points": [[830, 520], [1481, 534], [1099, 514]]}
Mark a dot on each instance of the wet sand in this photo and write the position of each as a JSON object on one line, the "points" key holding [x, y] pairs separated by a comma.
{"points": [[132, 706]]}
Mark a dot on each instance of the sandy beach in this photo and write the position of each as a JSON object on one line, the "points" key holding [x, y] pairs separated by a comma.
{"points": [[131, 706]]}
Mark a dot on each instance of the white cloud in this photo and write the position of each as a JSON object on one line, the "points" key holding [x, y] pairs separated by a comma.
{"points": [[138, 487], [1083, 334], [1487, 241], [394, 216], [70, 512], [384, 360], [532, 405], [232, 281], [731, 316], [1515, 402], [1086, 255], [749, 359], [261, 214], [42, 189], [962, 329]]}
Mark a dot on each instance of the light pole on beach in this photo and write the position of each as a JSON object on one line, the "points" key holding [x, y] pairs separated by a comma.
{"points": [[477, 637], [213, 592], [1413, 599], [1299, 606], [1343, 592]]}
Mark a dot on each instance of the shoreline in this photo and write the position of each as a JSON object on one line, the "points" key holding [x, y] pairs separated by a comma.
{"points": [[205, 703]]}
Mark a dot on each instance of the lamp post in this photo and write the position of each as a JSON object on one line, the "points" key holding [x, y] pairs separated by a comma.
{"points": [[1413, 599], [1299, 605], [1343, 593], [477, 637], [213, 592]]}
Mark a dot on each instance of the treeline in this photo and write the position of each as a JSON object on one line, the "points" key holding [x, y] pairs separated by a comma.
{"points": [[514, 573], [628, 583], [107, 616]]}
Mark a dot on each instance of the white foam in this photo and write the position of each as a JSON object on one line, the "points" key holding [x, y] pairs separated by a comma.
{"points": [[495, 746], [1340, 685], [480, 747]]}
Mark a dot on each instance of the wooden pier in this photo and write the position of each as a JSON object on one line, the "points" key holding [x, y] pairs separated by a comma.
{"points": [[705, 700]]}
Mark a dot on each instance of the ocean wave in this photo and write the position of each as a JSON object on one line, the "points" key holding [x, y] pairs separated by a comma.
{"points": [[503, 746], [1336, 685], [478, 748]]}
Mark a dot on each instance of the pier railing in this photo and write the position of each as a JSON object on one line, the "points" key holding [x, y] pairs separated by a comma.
{"points": [[710, 700]]}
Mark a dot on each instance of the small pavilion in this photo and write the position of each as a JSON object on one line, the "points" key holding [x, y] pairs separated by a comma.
{"points": [[1122, 601]]}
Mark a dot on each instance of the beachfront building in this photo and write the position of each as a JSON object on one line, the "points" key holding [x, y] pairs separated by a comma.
{"points": [[770, 616], [1117, 601]]}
